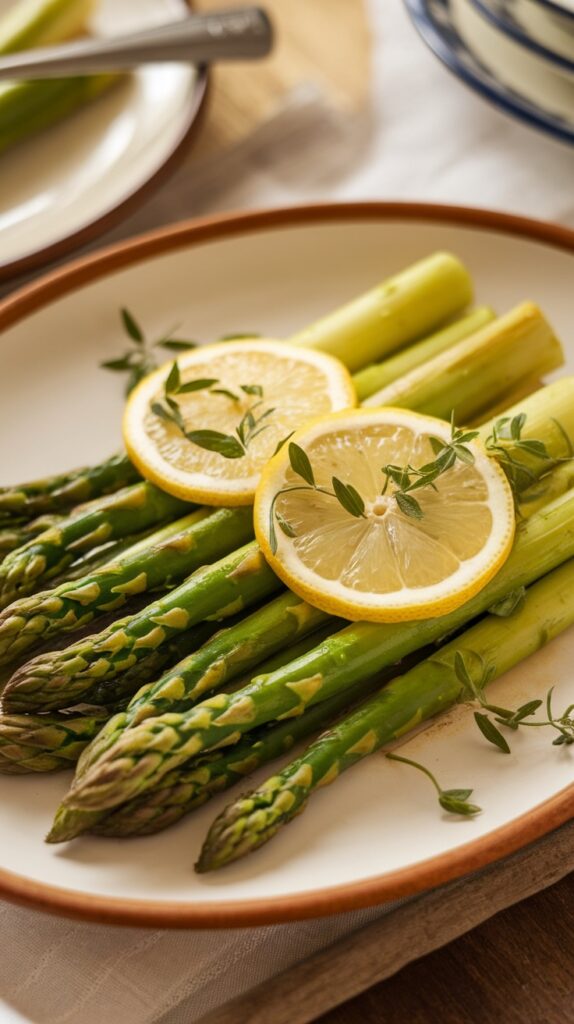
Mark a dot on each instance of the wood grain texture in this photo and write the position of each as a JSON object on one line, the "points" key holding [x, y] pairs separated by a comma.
{"points": [[424, 924], [326, 42], [516, 967]]}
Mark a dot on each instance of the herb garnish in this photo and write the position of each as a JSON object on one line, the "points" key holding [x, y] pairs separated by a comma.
{"points": [[410, 478], [139, 359], [346, 495], [563, 724], [506, 435], [455, 801], [231, 446], [405, 479]]}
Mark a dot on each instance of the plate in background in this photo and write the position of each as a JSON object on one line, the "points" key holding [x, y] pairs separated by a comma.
{"points": [[435, 23], [377, 833], [73, 181]]}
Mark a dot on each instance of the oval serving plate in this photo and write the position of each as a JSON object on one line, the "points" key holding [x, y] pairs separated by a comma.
{"points": [[376, 834], [75, 180]]}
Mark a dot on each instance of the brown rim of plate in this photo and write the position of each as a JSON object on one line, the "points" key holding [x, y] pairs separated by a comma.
{"points": [[121, 209], [435, 871]]}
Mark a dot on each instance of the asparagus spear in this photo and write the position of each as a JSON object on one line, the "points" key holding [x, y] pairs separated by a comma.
{"points": [[146, 752], [190, 786], [159, 561], [551, 486], [30, 107], [396, 312], [231, 652], [60, 493], [41, 22], [514, 347], [428, 689], [27, 107], [379, 375], [59, 679], [104, 555], [146, 669], [45, 743], [15, 536], [50, 742], [118, 515]]}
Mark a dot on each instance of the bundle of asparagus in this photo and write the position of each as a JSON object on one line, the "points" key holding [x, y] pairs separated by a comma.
{"points": [[155, 759]]}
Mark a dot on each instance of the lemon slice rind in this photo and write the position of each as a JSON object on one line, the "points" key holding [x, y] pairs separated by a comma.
{"points": [[303, 377]]}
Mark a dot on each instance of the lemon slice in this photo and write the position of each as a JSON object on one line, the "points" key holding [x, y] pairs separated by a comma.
{"points": [[253, 392], [382, 565]]}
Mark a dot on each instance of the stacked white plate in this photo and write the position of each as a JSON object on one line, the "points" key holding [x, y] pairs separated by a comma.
{"points": [[517, 53]]}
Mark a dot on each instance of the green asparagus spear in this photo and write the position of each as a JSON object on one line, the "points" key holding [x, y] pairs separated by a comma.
{"points": [[398, 311], [16, 536], [49, 742], [190, 786], [495, 644], [27, 108], [232, 651], [60, 493], [116, 691], [110, 518], [551, 486], [45, 743], [146, 752], [104, 555], [59, 679], [31, 23], [512, 348], [380, 375], [158, 562]]}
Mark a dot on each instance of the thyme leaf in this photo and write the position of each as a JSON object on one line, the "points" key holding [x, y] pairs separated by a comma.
{"points": [[455, 801]]}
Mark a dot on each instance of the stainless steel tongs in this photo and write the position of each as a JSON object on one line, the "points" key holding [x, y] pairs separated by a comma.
{"points": [[243, 33]]}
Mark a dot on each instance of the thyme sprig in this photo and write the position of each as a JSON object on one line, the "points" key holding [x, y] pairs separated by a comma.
{"points": [[411, 478], [139, 359], [405, 479], [231, 446], [506, 435], [347, 496], [455, 801], [510, 719]]}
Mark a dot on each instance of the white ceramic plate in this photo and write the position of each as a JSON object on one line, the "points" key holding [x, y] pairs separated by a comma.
{"points": [[70, 182], [377, 832]]}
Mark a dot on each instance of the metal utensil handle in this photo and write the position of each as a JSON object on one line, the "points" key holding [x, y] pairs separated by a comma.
{"points": [[244, 33]]}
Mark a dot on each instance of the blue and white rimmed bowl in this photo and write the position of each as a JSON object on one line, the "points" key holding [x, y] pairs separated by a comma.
{"points": [[545, 29], [496, 66]]}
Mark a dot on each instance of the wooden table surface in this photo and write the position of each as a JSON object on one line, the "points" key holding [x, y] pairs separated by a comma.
{"points": [[516, 968]]}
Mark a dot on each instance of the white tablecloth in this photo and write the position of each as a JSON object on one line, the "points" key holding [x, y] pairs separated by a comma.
{"points": [[424, 136]]}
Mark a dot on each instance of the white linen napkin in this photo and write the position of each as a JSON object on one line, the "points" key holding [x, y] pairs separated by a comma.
{"points": [[62, 972]]}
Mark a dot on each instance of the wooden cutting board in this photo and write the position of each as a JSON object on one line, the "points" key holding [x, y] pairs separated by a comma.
{"points": [[325, 42]]}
